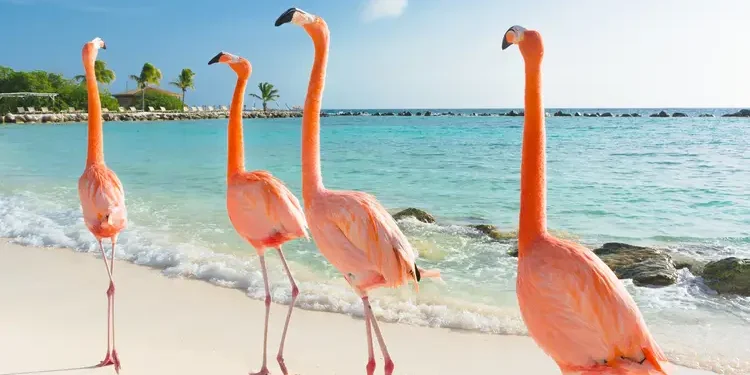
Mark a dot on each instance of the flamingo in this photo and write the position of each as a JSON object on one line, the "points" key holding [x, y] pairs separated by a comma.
{"points": [[101, 193], [261, 208], [574, 306], [352, 229]]}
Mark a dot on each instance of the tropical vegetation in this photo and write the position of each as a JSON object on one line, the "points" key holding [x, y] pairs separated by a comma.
{"points": [[103, 74], [184, 82], [150, 75], [267, 94], [70, 92]]}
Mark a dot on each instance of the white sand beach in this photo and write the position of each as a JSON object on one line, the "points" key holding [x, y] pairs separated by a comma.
{"points": [[53, 310]]}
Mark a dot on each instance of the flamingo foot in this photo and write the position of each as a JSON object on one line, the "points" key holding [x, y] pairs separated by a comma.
{"points": [[263, 371], [116, 361], [389, 366], [280, 359], [371, 367], [107, 361]]}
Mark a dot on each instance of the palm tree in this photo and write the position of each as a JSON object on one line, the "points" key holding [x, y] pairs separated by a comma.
{"points": [[103, 74], [149, 75], [184, 82], [267, 94]]}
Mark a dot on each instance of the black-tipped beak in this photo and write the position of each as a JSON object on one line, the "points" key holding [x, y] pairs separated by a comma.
{"points": [[286, 17], [104, 45], [216, 58], [506, 43]]}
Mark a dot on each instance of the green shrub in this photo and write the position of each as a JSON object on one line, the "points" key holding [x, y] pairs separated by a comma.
{"points": [[71, 93], [157, 99]]}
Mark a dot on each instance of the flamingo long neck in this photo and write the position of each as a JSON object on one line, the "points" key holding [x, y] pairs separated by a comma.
{"points": [[533, 216], [95, 154], [312, 179], [236, 148]]}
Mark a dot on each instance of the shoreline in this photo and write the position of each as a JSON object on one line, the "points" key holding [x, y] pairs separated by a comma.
{"points": [[62, 307], [24, 118]]}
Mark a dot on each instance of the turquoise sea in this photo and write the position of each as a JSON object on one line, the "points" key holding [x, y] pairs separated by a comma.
{"points": [[677, 183]]}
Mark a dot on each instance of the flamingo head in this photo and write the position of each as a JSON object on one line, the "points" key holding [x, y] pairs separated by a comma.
{"points": [[308, 21], [239, 64], [90, 48], [528, 41]]}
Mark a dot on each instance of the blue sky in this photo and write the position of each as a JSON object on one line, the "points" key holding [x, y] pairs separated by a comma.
{"points": [[407, 53]]}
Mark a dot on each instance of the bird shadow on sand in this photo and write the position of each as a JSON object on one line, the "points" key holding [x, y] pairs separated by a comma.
{"points": [[48, 371]]}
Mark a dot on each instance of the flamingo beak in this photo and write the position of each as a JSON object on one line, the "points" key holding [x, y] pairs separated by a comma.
{"points": [[104, 45], [286, 17], [513, 36], [216, 58]]}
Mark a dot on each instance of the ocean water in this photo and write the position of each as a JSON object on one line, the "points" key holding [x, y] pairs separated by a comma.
{"points": [[676, 183]]}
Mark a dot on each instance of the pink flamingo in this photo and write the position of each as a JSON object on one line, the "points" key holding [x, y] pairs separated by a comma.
{"points": [[261, 208], [101, 192], [351, 229], [574, 306]]}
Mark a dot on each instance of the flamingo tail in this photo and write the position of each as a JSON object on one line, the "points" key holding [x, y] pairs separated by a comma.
{"points": [[421, 272]]}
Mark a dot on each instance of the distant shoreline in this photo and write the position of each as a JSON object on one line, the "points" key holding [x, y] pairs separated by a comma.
{"points": [[186, 116]]}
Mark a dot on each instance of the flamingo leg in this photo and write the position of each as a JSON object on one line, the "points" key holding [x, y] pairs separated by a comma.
{"points": [[108, 357], [264, 368], [370, 351], [111, 293], [295, 292], [371, 318]]}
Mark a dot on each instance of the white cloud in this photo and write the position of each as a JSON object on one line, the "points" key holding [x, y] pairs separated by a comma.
{"points": [[375, 9]]}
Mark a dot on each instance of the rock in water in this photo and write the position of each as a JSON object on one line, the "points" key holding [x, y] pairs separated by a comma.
{"points": [[493, 232], [729, 275], [644, 265], [416, 213]]}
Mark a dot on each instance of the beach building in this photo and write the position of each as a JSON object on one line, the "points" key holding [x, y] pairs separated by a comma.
{"points": [[129, 98]]}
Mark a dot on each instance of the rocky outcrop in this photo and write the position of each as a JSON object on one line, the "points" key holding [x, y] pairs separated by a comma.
{"points": [[660, 114], [706, 115], [740, 113], [418, 214], [606, 114], [492, 232], [679, 114], [729, 275], [561, 113], [646, 266]]}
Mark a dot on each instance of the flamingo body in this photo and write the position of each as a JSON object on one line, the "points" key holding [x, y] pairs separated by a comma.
{"points": [[102, 201], [361, 239], [263, 211], [580, 314]]}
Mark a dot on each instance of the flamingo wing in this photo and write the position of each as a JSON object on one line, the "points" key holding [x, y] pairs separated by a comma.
{"points": [[262, 209], [102, 199], [577, 309], [359, 237]]}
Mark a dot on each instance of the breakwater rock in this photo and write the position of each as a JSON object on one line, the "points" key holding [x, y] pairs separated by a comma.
{"points": [[183, 116]]}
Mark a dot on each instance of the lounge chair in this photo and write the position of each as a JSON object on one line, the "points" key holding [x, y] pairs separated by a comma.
{"points": [[200, 109], [45, 110], [151, 109], [105, 110], [132, 109], [120, 109], [195, 109], [211, 108], [163, 109], [31, 110], [185, 109], [224, 108], [71, 110], [21, 110]]}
